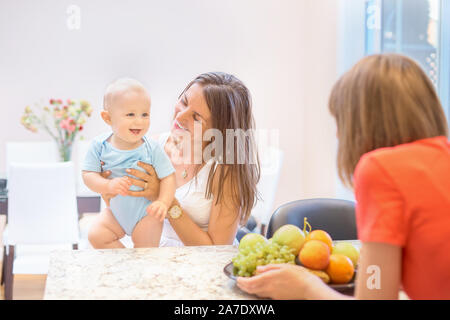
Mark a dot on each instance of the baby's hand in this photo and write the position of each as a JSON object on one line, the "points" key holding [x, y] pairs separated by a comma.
{"points": [[158, 209], [119, 186]]}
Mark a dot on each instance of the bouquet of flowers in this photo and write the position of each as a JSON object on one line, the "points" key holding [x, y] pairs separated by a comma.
{"points": [[62, 121]]}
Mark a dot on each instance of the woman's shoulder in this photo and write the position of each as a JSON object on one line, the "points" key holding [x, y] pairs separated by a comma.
{"points": [[404, 159], [418, 147]]}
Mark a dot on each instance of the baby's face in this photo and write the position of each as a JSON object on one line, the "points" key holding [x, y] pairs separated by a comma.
{"points": [[130, 115]]}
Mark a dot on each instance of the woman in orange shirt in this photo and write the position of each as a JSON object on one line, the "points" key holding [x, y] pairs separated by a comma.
{"points": [[394, 151]]}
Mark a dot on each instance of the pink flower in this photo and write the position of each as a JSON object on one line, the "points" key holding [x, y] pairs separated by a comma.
{"points": [[68, 124]]}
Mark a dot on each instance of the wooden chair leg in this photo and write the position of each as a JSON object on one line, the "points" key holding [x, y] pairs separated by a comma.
{"points": [[3, 265], [75, 246], [9, 277], [263, 229]]}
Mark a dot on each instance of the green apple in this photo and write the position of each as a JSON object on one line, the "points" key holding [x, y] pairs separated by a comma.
{"points": [[347, 249], [250, 240], [291, 236]]}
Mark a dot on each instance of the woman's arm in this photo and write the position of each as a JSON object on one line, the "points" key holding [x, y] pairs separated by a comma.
{"points": [[223, 221], [222, 227], [379, 273]]}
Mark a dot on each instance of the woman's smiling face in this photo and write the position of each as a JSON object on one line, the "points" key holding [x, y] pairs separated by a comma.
{"points": [[191, 110]]}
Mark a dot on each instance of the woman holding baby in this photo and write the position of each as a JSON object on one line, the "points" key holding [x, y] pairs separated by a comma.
{"points": [[214, 192]]}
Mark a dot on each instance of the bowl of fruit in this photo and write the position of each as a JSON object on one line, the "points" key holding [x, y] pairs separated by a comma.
{"points": [[334, 262]]}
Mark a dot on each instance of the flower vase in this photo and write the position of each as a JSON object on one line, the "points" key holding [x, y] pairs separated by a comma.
{"points": [[65, 152]]}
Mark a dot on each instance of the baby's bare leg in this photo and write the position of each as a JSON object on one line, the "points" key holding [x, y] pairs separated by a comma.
{"points": [[147, 232], [105, 231]]}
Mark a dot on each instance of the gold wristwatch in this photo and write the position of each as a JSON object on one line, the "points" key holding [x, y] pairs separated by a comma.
{"points": [[175, 212]]}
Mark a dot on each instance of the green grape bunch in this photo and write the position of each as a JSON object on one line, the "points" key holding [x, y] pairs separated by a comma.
{"points": [[262, 253]]}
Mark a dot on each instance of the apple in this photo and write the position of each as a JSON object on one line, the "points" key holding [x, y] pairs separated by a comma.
{"points": [[250, 240], [291, 236], [347, 249]]}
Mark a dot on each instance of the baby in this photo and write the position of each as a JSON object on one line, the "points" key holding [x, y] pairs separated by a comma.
{"points": [[126, 106]]}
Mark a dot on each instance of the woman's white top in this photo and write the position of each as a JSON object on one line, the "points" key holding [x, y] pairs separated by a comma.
{"points": [[191, 196]]}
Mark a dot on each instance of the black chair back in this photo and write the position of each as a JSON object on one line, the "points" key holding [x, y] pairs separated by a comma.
{"points": [[335, 216]]}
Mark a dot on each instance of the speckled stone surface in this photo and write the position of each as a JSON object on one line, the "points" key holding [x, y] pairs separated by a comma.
{"points": [[153, 273]]}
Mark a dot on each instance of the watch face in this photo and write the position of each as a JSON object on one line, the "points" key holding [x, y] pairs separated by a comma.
{"points": [[175, 212]]}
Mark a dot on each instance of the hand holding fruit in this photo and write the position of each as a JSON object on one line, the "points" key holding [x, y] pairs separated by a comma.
{"points": [[280, 281], [255, 250]]}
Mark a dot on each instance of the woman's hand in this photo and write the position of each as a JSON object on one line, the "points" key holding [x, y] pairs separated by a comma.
{"points": [[281, 281], [148, 181]]}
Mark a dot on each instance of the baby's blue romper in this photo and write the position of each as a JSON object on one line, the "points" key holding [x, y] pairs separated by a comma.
{"points": [[127, 210]]}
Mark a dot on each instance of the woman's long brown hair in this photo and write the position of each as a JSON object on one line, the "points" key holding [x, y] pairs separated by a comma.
{"points": [[383, 101], [229, 102]]}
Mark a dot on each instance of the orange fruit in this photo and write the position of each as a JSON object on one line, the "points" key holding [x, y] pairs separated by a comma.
{"points": [[315, 255], [340, 269], [321, 236]]}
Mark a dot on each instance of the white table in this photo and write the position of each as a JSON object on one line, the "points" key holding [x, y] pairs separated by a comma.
{"points": [[153, 273]]}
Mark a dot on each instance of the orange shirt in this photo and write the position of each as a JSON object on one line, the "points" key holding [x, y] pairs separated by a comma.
{"points": [[403, 199]]}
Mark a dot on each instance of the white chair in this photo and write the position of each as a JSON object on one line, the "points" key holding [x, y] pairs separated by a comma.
{"points": [[42, 210], [80, 150], [271, 161], [36, 152]]}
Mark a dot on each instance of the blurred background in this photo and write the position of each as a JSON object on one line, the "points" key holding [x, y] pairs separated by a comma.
{"points": [[288, 52]]}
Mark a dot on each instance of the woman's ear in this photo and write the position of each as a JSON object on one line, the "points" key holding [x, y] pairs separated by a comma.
{"points": [[106, 116]]}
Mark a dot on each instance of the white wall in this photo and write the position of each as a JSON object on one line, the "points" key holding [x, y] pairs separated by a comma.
{"points": [[319, 132], [284, 50]]}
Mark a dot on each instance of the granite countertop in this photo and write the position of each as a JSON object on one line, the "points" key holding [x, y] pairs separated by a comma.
{"points": [[152, 273]]}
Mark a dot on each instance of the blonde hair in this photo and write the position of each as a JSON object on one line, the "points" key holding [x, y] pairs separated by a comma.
{"points": [[119, 86], [383, 101]]}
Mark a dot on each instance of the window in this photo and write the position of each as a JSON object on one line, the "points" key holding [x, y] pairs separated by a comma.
{"points": [[419, 29], [416, 28]]}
